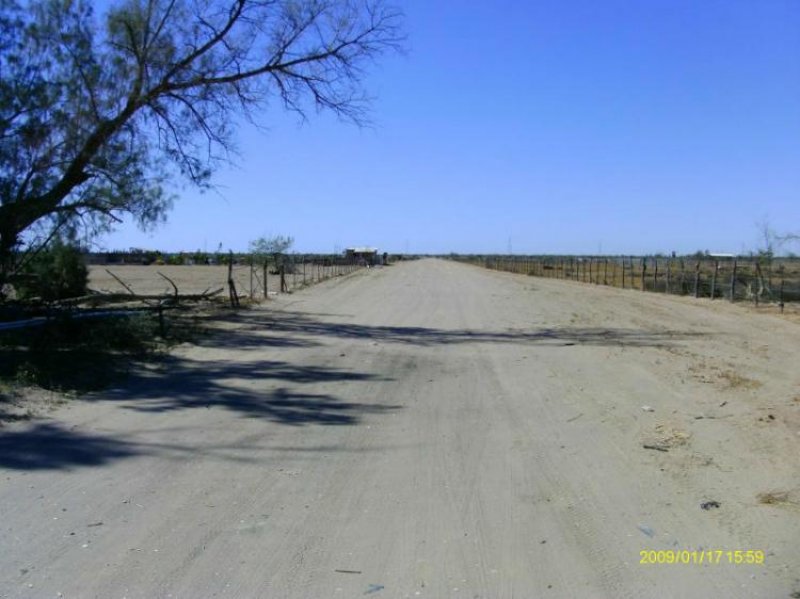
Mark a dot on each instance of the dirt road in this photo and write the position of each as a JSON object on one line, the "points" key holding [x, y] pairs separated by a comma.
{"points": [[426, 430]]}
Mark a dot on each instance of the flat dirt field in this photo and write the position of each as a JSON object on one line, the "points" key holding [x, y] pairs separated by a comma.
{"points": [[430, 429], [146, 280], [197, 278]]}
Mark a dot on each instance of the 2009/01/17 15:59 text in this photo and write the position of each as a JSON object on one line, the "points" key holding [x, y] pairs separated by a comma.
{"points": [[706, 556]]}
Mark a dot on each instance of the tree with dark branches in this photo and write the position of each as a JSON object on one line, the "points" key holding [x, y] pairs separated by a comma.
{"points": [[96, 120]]}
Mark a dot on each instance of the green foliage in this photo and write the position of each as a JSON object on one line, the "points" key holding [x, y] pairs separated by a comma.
{"points": [[76, 354], [55, 273], [265, 247]]}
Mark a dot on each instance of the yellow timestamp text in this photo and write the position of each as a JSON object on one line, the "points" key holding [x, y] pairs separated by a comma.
{"points": [[704, 556]]}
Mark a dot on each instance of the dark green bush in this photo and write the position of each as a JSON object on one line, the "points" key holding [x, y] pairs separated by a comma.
{"points": [[76, 354], [55, 273]]}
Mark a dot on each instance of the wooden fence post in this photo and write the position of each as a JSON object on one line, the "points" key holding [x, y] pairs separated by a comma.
{"points": [[760, 279], [780, 298], [733, 281], [632, 277], [266, 268], [655, 275], [234, 297], [697, 279], [644, 270], [714, 279], [669, 271]]}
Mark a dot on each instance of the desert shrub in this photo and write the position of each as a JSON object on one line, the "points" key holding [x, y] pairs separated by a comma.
{"points": [[76, 354], [55, 273]]}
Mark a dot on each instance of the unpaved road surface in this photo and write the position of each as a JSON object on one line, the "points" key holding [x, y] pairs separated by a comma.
{"points": [[426, 430]]}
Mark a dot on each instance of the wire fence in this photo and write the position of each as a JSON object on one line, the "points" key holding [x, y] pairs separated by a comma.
{"points": [[238, 276], [755, 279], [256, 277]]}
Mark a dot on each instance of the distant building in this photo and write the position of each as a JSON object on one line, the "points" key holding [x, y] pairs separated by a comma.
{"points": [[363, 255]]}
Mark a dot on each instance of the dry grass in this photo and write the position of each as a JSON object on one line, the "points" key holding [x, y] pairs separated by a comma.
{"points": [[669, 436], [783, 498], [734, 380]]}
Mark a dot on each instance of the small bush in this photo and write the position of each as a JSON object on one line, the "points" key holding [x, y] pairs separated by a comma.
{"points": [[54, 274], [69, 354]]}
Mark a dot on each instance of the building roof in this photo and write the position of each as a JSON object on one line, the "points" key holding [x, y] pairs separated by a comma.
{"points": [[361, 250]]}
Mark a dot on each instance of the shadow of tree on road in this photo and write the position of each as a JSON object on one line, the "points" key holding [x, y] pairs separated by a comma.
{"points": [[47, 446], [273, 391], [301, 325], [276, 392], [246, 388]]}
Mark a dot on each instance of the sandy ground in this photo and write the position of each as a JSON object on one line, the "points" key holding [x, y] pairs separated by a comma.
{"points": [[199, 278], [426, 430]]}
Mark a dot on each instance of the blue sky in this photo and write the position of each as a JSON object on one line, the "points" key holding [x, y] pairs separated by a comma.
{"points": [[552, 126]]}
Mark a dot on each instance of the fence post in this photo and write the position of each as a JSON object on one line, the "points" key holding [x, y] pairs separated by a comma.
{"points": [[733, 281], [644, 270], [714, 279], [780, 299], [697, 279], [633, 275], [266, 268], [655, 275], [234, 297], [669, 270], [252, 267], [760, 280]]}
